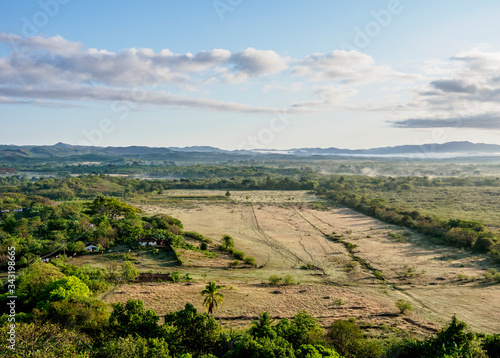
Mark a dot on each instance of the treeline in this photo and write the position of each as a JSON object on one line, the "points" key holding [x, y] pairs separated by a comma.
{"points": [[168, 169], [58, 315], [90, 186], [461, 233], [403, 183]]}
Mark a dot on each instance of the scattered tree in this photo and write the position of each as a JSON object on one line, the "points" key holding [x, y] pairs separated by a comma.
{"points": [[129, 271], [403, 306], [213, 297]]}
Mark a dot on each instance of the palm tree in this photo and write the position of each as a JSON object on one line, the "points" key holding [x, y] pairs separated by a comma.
{"points": [[263, 326], [213, 297]]}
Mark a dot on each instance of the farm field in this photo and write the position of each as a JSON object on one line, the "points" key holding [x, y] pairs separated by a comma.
{"points": [[285, 232], [477, 203]]}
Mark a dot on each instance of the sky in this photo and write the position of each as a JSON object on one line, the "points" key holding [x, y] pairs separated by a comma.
{"points": [[249, 74]]}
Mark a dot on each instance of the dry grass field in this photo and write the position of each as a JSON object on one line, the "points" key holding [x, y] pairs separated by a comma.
{"points": [[284, 232]]}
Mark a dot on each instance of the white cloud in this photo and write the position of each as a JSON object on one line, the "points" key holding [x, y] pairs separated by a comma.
{"points": [[54, 59], [346, 67], [258, 62]]}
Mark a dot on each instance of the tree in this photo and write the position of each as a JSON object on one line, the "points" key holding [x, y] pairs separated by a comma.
{"points": [[129, 272], [192, 332], [78, 246], [45, 340], [315, 351], [263, 327], [303, 329], [228, 194], [345, 337], [35, 279], [135, 347], [67, 288], [89, 317], [132, 318], [109, 207], [213, 297], [403, 306], [227, 242]]}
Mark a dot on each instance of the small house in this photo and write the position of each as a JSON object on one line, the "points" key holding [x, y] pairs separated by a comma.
{"points": [[91, 247], [148, 241]]}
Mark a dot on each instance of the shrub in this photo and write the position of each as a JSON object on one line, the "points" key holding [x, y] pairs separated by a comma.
{"points": [[403, 306], [234, 263], [204, 246], [186, 277], [351, 246], [250, 260], [176, 277], [198, 236], [274, 280], [492, 275], [396, 236], [129, 272], [378, 275], [288, 280], [240, 255]]}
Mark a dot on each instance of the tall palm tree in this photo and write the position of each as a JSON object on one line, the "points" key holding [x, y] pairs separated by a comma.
{"points": [[213, 297]]}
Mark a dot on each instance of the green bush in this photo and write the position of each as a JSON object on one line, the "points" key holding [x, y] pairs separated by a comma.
{"points": [[198, 236], [250, 260], [135, 347], [234, 264], [176, 277], [274, 280], [403, 306], [186, 277], [128, 271], [288, 280], [492, 275], [240, 255], [378, 275]]}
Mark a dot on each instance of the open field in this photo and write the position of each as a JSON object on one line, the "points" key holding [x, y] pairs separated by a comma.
{"points": [[466, 202], [286, 234]]}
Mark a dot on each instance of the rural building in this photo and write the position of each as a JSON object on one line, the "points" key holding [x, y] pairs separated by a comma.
{"points": [[148, 241], [91, 247]]}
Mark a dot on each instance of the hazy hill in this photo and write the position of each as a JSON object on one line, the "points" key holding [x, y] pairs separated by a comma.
{"points": [[74, 153]]}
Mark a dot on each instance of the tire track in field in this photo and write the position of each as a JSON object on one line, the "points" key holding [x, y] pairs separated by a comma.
{"points": [[326, 241], [364, 257], [275, 246]]}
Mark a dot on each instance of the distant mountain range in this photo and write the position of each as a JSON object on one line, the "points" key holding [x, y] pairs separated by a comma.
{"points": [[450, 147], [207, 153]]}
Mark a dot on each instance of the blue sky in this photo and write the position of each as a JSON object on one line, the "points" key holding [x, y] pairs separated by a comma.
{"points": [[249, 74]]}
